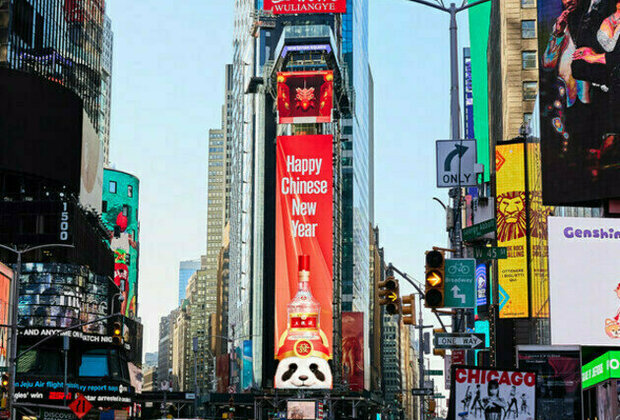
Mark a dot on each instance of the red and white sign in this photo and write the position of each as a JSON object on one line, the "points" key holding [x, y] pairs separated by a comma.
{"points": [[487, 393], [80, 406], [304, 226], [305, 6], [305, 97], [456, 358]]}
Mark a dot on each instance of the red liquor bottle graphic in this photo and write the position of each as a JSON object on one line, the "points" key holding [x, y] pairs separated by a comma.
{"points": [[303, 335]]}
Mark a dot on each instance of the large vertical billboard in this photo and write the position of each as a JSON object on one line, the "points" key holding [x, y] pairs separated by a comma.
{"points": [[584, 267], [305, 6], [353, 349], [6, 276], [512, 230], [305, 97], [304, 261], [538, 214], [579, 100]]}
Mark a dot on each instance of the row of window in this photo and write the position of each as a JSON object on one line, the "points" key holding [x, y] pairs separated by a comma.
{"points": [[112, 188]]}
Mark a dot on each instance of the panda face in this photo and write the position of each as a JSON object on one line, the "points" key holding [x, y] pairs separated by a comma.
{"points": [[310, 372]]}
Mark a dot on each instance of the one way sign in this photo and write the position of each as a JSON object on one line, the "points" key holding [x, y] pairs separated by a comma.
{"points": [[456, 163], [459, 341]]}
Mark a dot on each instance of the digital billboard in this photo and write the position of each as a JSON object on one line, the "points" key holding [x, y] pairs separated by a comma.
{"points": [[584, 281], [59, 296], [301, 410], [247, 374], [512, 230], [558, 379], [353, 349], [488, 394], [579, 103], [305, 6], [6, 276], [304, 261], [305, 97]]}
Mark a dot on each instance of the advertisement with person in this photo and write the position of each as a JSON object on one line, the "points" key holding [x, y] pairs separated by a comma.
{"points": [[305, 6], [489, 394], [512, 230], [558, 379], [579, 99], [305, 97], [353, 349], [304, 261], [584, 278]]}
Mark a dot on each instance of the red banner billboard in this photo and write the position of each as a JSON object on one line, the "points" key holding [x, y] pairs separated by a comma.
{"points": [[304, 261], [353, 349], [305, 6], [305, 97]]}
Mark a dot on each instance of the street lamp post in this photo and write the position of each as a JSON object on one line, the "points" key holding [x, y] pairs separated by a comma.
{"points": [[14, 297]]}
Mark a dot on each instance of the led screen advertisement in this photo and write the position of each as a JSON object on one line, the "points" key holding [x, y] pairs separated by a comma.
{"points": [[584, 281], [558, 379], [305, 97], [6, 276], [353, 349], [579, 100], [304, 261], [305, 6], [511, 230], [488, 394], [301, 410]]}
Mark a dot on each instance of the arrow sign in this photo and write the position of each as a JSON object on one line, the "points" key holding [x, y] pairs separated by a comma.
{"points": [[458, 150], [466, 341], [457, 295], [422, 391], [393, 297]]}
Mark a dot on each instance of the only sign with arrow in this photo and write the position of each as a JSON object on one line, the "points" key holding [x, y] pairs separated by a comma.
{"points": [[456, 163]]}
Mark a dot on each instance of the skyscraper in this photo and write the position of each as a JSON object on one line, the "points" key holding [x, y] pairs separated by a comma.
{"points": [[186, 269], [106, 88]]}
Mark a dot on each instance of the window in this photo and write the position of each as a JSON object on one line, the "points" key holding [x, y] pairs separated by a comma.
{"points": [[527, 118], [94, 364], [528, 29], [112, 187], [529, 91], [528, 59], [130, 191], [528, 3], [104, 206], [125, 210]]}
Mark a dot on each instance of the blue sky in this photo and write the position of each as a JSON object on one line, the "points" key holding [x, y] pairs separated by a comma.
{"points": [[168, 76]]}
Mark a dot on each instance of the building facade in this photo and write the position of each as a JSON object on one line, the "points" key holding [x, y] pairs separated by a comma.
{"points": [[120, 212], [164, 354], [186, 269], [181, 345], [106, 88], [59, 40]]}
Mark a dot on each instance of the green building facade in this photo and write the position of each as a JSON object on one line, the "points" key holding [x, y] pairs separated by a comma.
{"points": [[120, 216]]}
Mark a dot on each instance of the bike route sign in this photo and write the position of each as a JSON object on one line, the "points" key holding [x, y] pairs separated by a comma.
{"points": [[460, 289]]}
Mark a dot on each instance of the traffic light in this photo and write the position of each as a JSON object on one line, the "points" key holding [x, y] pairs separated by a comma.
{"points": [[4, 383], [408, 309], [117, 333], [388, 295], [434, 279], [439, 352]]}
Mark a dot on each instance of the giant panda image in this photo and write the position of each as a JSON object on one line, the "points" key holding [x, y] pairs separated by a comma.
{"points": [[308, 372]]}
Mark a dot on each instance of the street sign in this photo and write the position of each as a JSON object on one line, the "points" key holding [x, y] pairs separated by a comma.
{"points": [[491, 253], [80, 406], [456, 163], [436, 396], [422, 391], [475, 231], [433, 372], [465, 341], [460, 289]]}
